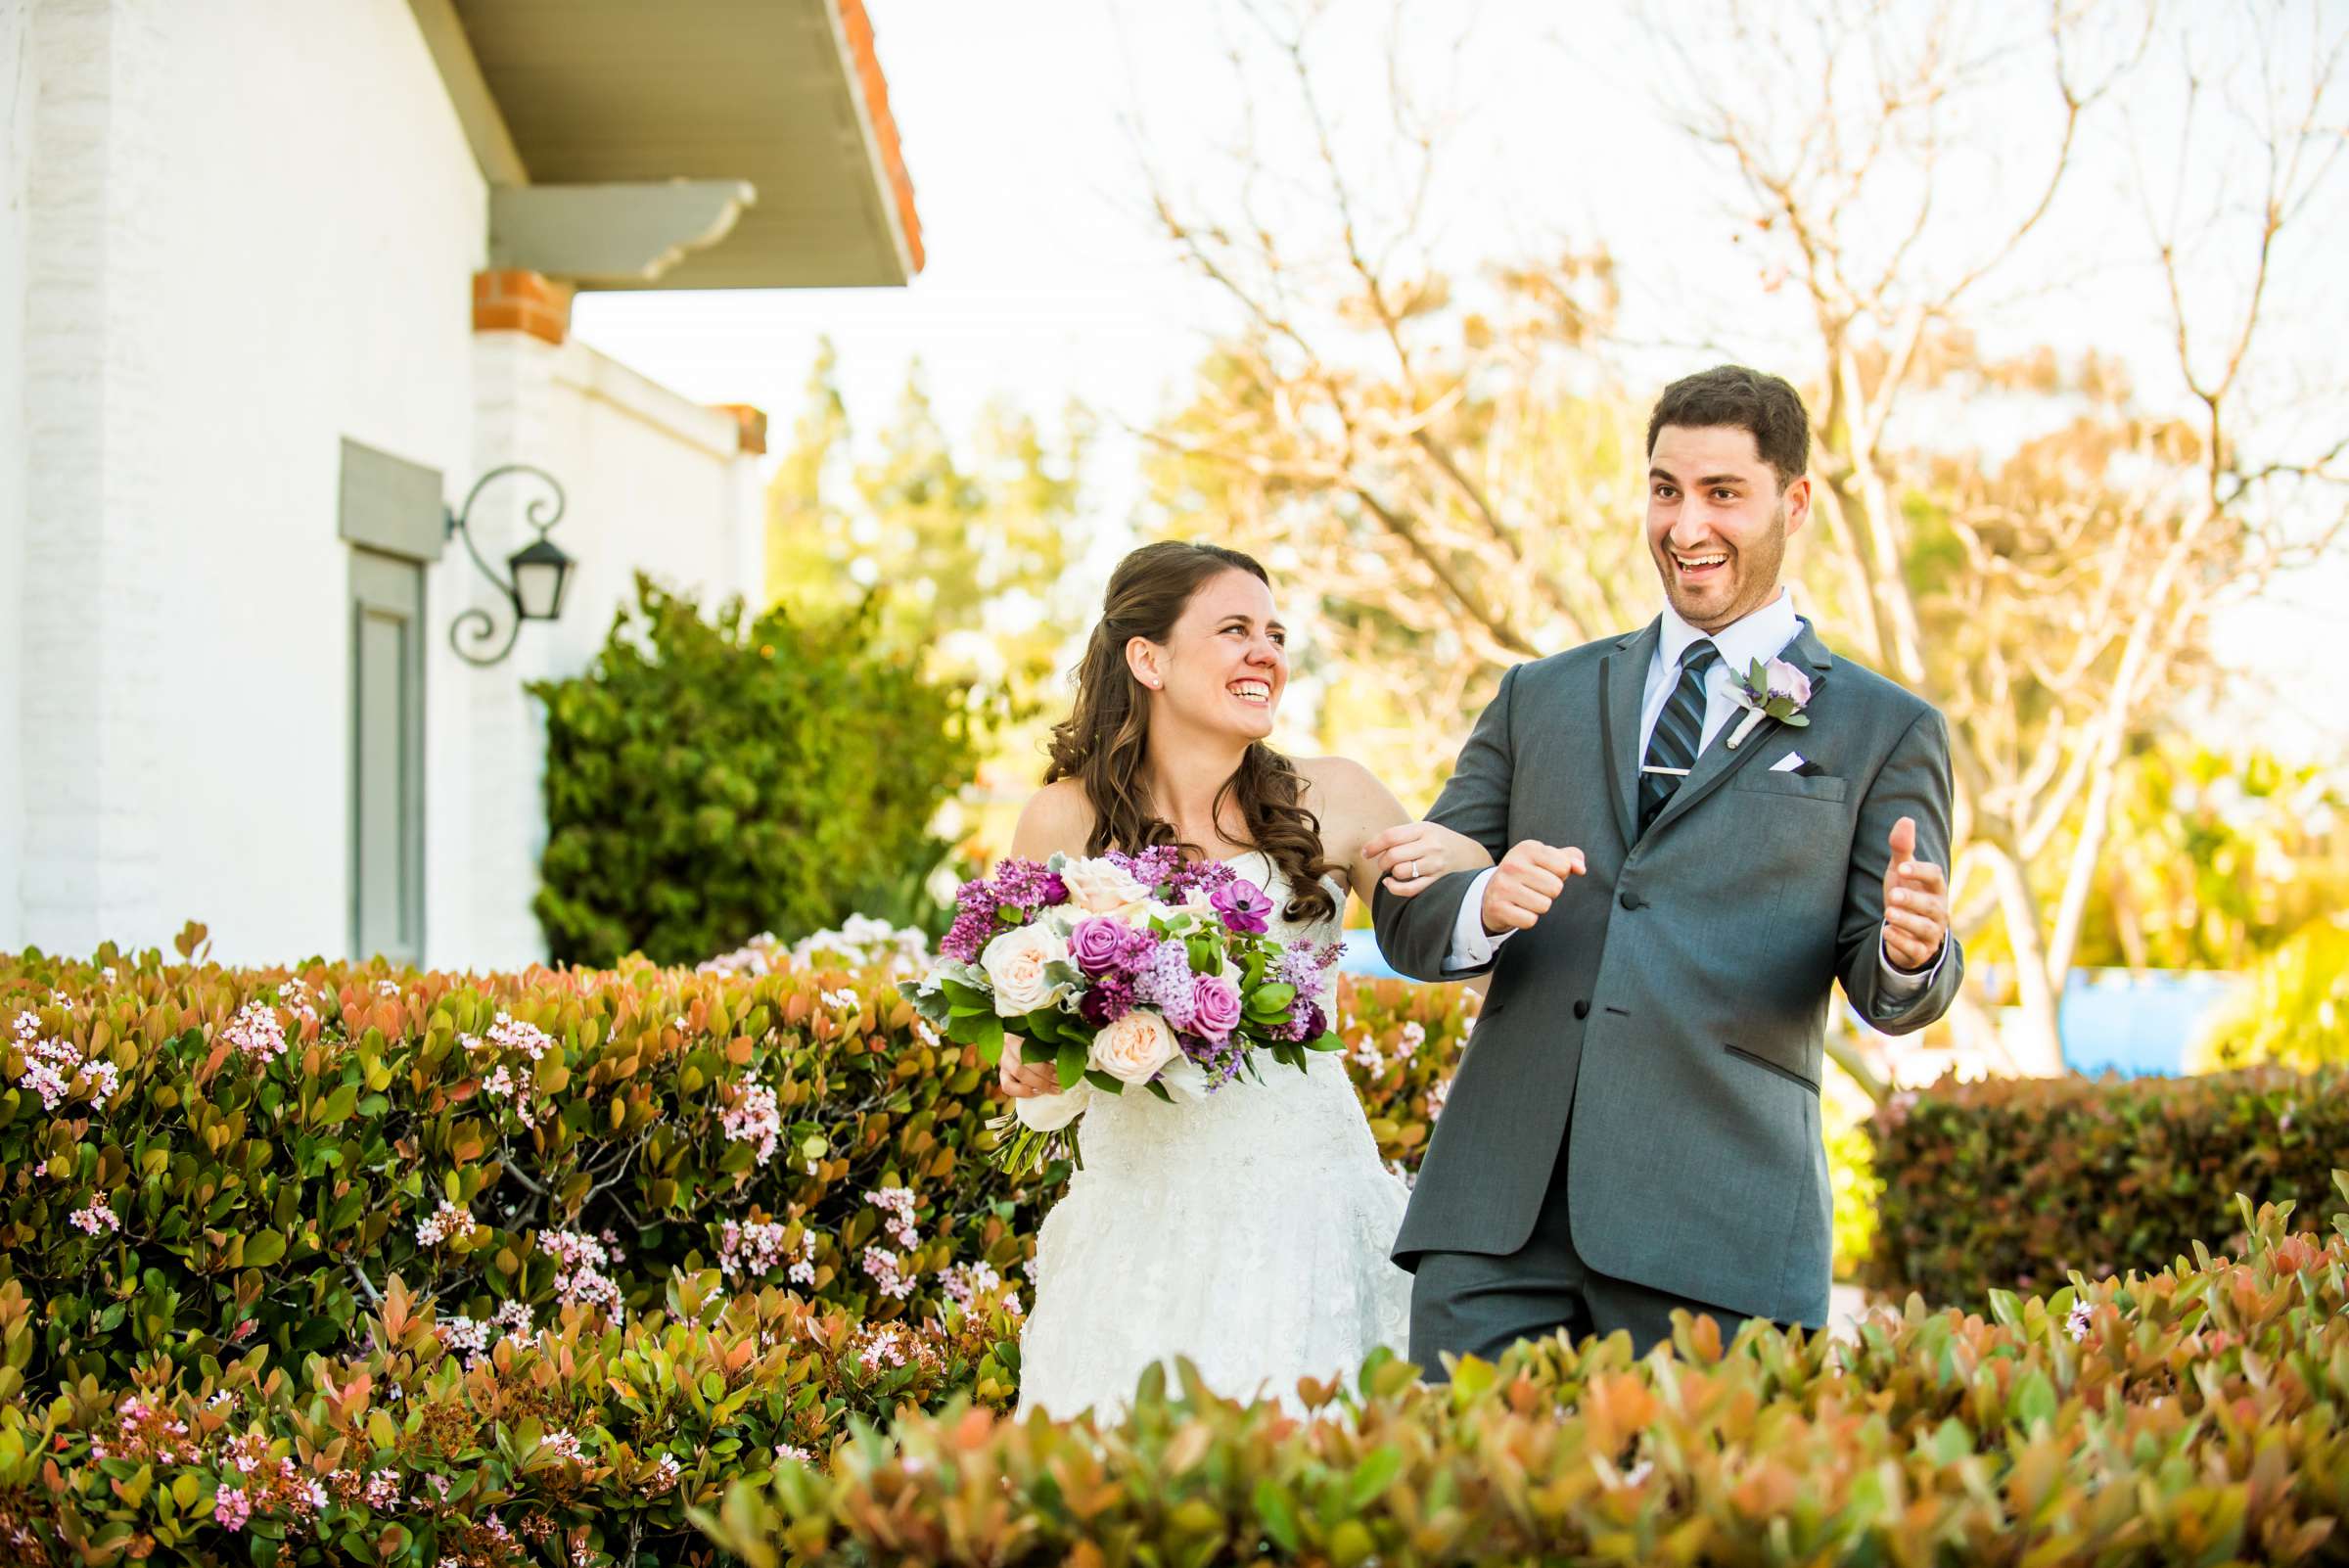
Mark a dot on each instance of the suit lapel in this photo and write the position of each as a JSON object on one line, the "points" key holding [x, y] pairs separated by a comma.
{"points": [[1621, 686], [1716, 761]]}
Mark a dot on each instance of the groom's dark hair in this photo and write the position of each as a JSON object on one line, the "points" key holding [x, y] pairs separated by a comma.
{"points": [[1749, 400]]}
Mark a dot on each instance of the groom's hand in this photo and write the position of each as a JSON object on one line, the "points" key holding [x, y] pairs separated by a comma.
{"points": [[1529, 877], [1917, 902]]}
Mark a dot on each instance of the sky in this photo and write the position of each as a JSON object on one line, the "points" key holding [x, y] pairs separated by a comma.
{"points": [[1027, 128]]}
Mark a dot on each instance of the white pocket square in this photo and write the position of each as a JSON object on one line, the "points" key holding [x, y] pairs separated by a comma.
{"points": [[1788, 763]]}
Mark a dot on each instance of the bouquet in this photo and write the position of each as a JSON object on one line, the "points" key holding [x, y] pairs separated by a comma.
{"points": [[1121, 970]]}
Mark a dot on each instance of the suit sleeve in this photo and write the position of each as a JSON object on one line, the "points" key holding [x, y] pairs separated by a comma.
{"points": [[1914, 782], [1416, 934]]}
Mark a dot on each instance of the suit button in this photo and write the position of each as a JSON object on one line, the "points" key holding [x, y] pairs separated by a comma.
{"points": [[1629, 900], [1582, 1007]]}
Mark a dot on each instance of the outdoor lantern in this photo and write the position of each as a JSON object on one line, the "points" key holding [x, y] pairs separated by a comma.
{"points": [[541, 578], [538, 574]]}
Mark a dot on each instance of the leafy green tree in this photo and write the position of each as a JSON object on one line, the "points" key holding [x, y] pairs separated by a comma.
{"points": [[2293, 1008], [2217, 860], [967, 553], [708, 779], [967, 550]]}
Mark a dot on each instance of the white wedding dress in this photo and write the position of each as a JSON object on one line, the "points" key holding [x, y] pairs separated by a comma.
{"points": [[1247, 1231]]}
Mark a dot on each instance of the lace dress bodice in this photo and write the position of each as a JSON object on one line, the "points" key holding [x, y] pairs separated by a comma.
{"points": [[1247, 1229]]}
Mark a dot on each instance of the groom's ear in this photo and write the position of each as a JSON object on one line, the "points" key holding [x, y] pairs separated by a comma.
{"points": [[1798, 503]]}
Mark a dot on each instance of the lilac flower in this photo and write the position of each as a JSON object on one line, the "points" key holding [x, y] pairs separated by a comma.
{"points": [[1203, 876], [1028, 886], [1110, 999], [1164, 982], [967, 936], [1306, 966], [1243, 906], [1151, 867], [1098, 944], [1306, 1022]]}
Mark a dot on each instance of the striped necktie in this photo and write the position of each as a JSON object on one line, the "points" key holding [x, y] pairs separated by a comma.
{"points": [[1678, 729]]}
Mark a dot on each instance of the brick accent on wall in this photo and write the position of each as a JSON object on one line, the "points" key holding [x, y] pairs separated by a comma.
{"points": [[858, 27], [515, 300], [752, 421]]}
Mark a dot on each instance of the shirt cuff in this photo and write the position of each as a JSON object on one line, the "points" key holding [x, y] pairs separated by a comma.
{"points": [[1472, 946], [1894, 983]]}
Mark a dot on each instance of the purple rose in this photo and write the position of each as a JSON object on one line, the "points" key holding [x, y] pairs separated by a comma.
{"points": [[1097, 945], [1243, 906], [1215, 1006]]}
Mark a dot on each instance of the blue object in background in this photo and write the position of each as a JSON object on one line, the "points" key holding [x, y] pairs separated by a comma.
{"points": [[1363, 958], [2136, 1024], [2113, 1021]]}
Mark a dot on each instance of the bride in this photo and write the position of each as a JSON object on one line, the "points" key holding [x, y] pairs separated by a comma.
{"points": [[1247, 1231]]}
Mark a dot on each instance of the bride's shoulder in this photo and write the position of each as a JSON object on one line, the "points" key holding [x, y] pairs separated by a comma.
{"points": [[1057, 819], [1338, 787]]}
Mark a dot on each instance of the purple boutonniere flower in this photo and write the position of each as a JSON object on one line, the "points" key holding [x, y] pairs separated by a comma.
{"points": [[1775, 690], [1242, 906]]}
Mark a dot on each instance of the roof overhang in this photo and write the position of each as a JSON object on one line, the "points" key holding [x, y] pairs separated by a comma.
{"points": [[685, 144]]}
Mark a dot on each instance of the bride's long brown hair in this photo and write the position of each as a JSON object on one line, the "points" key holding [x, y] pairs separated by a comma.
{"points": [[1103, 741]]}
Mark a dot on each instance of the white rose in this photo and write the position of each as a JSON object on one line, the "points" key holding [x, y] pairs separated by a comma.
{"points": [[1049, 1112], [1134, 1046], [1186, 1079], [1015, 966], [1098, 886]]}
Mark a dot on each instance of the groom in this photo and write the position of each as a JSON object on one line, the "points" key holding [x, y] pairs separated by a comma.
{"points": [[1634, 1125]]}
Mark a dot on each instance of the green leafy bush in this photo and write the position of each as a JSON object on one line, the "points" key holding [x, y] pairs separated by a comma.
{"points": [[202, 1161], [2012, 1184], [433, 1443], [2201, 1414], [708, 780], [241, 1158], [2292, 1008]]}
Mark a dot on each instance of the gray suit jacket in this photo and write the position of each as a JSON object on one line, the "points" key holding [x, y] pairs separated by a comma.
{"points": [[1676, 996]]}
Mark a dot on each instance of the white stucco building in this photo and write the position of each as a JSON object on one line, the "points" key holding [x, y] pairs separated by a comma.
{"points": [[279, 279]]}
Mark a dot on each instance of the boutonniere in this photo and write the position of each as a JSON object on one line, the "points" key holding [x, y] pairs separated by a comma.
{"points": [[1775, 690]]}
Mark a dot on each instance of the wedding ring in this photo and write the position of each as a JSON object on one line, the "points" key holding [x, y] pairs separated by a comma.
{"points": [[1413, 875]]}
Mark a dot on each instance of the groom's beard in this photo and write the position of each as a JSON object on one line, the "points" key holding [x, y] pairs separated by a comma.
{"points": [[1747, 581]]}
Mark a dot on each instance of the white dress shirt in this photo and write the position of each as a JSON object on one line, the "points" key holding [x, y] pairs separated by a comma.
{"points": [[1764, 634]]}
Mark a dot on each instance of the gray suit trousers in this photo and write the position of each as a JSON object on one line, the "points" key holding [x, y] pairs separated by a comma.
{"points": [[1474, 1304]]}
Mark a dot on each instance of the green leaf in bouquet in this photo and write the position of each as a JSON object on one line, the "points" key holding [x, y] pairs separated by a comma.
{"points": [[1274, 999], [1102, 1081], [1159, 1089], [1070, 1064], [986, 1034], [1206, 953], [1329, 1041], [1062, 972], [965, 998]]}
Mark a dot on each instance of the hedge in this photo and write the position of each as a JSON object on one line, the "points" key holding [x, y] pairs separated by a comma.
{"points": [[433, 1447], [710, 777], [2198, 1415], [2015, 1183]]}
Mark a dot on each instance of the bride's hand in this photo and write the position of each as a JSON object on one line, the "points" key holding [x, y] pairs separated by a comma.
{"points": [[1024, 1080], [1412, 855]]}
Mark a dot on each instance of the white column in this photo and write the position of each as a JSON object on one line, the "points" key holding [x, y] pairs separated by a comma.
{"points": [[93, 497], [514, 418]]}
